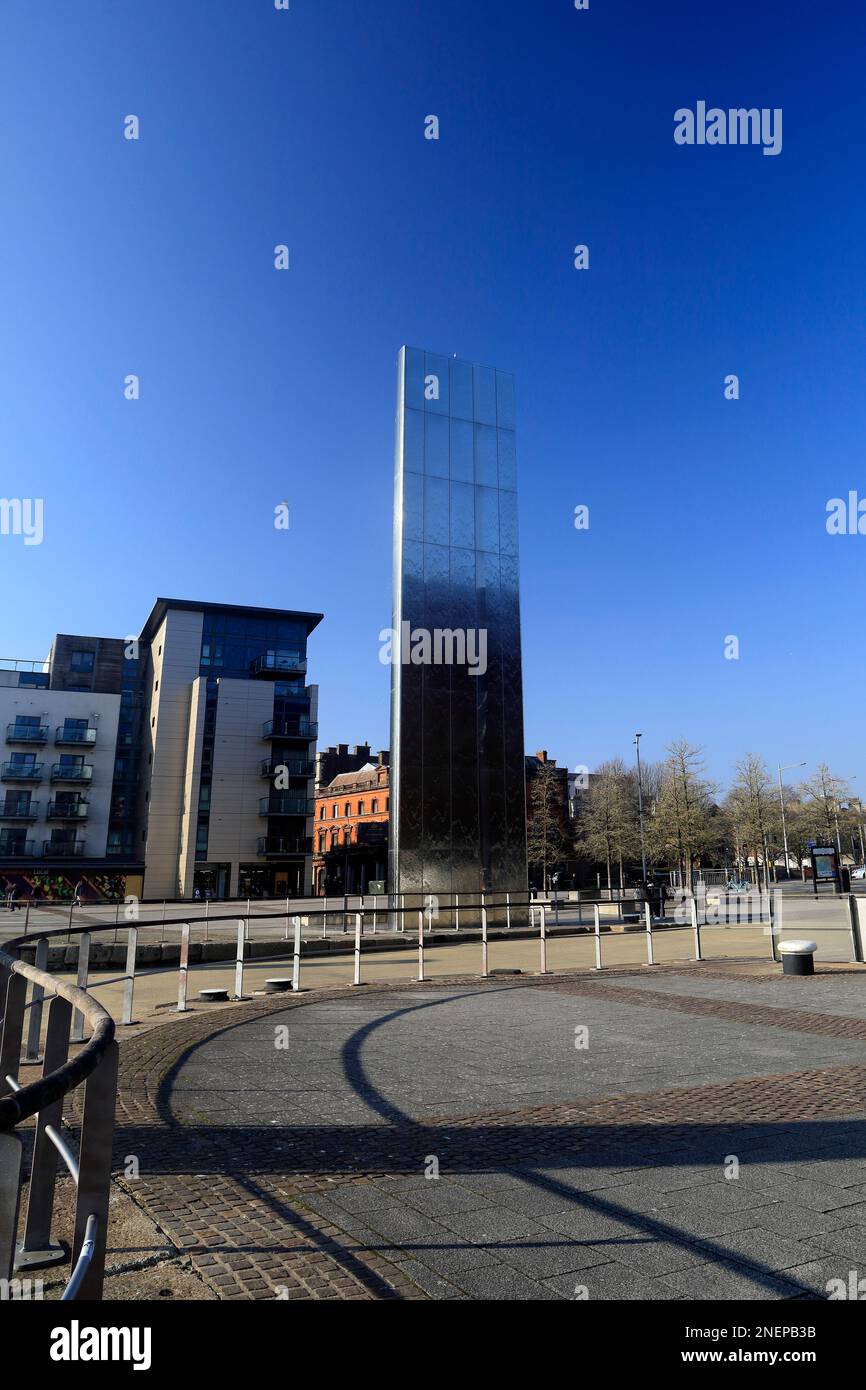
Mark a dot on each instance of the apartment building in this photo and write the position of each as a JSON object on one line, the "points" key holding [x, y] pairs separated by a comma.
{"points": [[175, 763]]}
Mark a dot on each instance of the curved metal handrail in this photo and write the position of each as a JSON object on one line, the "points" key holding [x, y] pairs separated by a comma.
{"points": [[38, 1094]]}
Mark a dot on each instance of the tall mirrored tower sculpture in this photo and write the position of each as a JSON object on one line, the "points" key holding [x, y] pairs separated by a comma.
{"points": [[458, 803]]}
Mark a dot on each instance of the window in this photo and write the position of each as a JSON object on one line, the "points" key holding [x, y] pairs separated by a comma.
{"points": [[375, 806], [82, 662], [333, 813], [321, 844], [360, 808], [321, 813], [348, 809]]}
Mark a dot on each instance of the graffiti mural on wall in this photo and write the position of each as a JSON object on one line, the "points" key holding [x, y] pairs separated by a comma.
{"points": [[53, 887]]}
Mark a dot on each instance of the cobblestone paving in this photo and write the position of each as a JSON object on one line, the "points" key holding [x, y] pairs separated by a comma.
{"points": [[307, 1171]]}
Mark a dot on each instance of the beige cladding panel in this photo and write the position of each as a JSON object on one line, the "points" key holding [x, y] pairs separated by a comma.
{"points": [[174, 668], [237, 786]]}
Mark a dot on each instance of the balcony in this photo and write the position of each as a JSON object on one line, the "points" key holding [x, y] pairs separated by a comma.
{"points": [[17, 849], [19, 810], [290, 728], [62, 849], [274, 664], [285, 806], [268, 845], [67, 810], [292, 767], [71, 772], [21, 772], [66, 738], [26, 733]]}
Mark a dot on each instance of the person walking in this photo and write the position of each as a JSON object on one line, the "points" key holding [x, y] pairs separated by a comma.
{"points": [[76, 893]]}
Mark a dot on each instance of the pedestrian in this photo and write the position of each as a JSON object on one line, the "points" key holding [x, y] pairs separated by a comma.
{"points": [[197, 894], [76, 893]]}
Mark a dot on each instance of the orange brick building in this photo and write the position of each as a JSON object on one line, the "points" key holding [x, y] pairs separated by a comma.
{"points": [[350, 832]]}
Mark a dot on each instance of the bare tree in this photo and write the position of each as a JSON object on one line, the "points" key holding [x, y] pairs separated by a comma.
{"points": [[683, 823], [752, 806], [545, 836], [824, 794], [608, 825]]}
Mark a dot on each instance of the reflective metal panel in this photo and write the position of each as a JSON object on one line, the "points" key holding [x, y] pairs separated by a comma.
{"points": [[458, 809]]}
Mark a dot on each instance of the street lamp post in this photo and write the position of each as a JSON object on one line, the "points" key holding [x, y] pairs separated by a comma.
{"points": [[782, 804], [637, 739]]}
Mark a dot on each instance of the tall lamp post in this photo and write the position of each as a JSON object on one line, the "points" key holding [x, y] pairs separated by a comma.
{"points": [[786, 768], [637, 739]]}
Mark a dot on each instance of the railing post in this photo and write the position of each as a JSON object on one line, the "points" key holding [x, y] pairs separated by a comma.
{"points": [[34, 1026], [183, 968], [648, 918], [543, 941], [239, 961], [37, 1249], [484, 971], [773, 931], [129, 982], [94, 1175], [420, 943], [27, 916], [77, 1034], [507, 911], [375, 911], [13, 1028], [696, 929], [345, 912], [856, 942], [456, 911], [358, 926], [597, 933], [11, 1153], [296, 956], [206, 916]]}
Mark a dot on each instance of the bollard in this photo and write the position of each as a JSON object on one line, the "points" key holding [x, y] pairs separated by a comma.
{"points": [[543, 970], [77, 1034], [696, 929], [507, 911], [239, 961], [456, 911], [358, 928], [375, 911], [484, 970], [129, 985], [34, 1026], [183, 969], [648, 917], [420, 944], [597, 931], [296, 956]]}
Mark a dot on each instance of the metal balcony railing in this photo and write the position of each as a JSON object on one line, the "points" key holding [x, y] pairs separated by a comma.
{"points": [[66, 736], [67, 810], [62, 849], [276, 663], [21, 772], [94, 1069], [72, 772], [26, 733], [292, 767], [17, 849], [19, 810], [270, 844], [290, 728], [285, 806]]}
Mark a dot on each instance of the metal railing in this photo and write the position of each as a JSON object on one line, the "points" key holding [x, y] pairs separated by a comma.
{"points": [[94, 1070]]}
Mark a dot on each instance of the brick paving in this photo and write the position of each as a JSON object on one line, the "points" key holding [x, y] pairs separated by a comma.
{"points": [[315, 1186]]}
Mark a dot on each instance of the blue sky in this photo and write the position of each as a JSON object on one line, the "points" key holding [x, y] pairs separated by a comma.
{"points": [[306, 127]]}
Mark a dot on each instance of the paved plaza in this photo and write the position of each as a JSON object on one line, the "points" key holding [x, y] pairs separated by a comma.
{"points": [[684, 1132]]}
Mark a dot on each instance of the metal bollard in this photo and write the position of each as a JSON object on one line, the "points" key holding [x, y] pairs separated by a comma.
{"points": [[34, 1026], [358, 928], [484, 970], [543, 970], [239, 961], [597, 930], [696, 929], [420, 944], [648, 918], [129, 984], [296, 956], [183, 968], [77, 1034]]}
